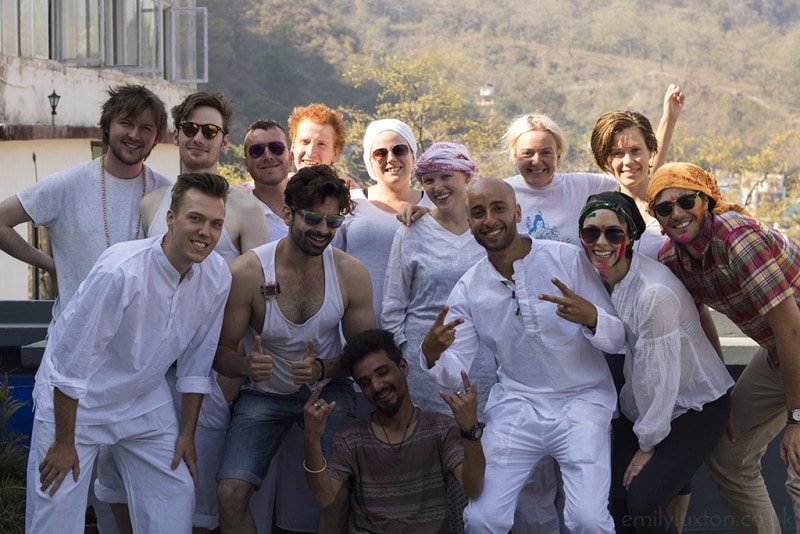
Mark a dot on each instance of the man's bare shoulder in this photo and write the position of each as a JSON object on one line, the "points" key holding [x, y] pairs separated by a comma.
{"points": [[246, 267], [150, 204], [239, 200], [349, 268]]}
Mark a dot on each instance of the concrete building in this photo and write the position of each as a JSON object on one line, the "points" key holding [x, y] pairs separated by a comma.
{"points": [[76, 49]]}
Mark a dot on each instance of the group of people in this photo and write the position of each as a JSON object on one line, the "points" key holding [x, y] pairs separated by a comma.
{"points": [[534, 354]]}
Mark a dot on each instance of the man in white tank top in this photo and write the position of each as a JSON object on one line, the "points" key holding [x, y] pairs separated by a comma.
{"points": [[290, 298]]}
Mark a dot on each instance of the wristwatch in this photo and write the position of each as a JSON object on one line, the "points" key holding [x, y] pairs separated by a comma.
{"points": [[476, 431], [794, 417]]}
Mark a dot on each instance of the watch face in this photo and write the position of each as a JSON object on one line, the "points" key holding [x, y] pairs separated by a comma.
{"points": [[795, 415], [477, 432]]}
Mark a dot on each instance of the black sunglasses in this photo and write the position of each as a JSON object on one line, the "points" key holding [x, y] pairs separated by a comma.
{"points": [[686, 202], [210, 131], [313, 219], [590, 234], [258, 150], [399, 151]]}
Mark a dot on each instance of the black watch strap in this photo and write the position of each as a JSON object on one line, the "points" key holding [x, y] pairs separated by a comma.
{"points": [[474, 433]]}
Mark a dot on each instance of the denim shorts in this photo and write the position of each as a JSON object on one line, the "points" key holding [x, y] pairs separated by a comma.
{"points": [[260, 422]]}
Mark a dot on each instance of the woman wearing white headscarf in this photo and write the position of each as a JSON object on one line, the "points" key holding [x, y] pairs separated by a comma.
{"points": [[389, 155]]}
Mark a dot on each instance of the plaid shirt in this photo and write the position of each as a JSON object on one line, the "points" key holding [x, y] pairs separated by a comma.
{"points": [[746, 270]]}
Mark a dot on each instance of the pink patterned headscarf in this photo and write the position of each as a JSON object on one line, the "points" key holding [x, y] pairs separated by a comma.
{"points": [[442, 157]]}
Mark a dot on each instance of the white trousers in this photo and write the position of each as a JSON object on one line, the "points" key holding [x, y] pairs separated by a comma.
{"points": [[209, 437], [516, 438], [160, 500]]}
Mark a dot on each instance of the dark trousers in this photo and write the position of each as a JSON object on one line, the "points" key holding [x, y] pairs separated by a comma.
{"points": [[642, 507]]}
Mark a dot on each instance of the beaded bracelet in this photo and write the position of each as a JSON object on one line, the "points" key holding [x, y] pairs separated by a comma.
{"points": [[324, 466]]}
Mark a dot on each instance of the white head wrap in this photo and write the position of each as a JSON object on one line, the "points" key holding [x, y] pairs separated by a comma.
{"points": [[375, 128], [442, 157]]}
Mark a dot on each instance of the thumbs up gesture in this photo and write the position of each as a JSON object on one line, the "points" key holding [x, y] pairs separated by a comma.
{"points": [[259, 366], [308, 370]]}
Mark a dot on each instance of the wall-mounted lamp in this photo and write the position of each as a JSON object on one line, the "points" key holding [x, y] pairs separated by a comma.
{"points": [[53, 98]]}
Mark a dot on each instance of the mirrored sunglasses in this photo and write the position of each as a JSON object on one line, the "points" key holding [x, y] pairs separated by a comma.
{"points": [[313, 219], [258, 150], [399, 151], [590, 234], [686, 202], [210, 131]]}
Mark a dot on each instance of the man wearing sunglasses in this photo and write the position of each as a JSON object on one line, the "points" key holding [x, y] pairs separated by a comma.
{"points": [[201, 124], [295, 293], [268, 160], [751, 273]]}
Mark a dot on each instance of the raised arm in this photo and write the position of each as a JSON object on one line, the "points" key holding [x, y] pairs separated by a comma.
{"points": [[323, 486], [464, 405], [673, 105]]}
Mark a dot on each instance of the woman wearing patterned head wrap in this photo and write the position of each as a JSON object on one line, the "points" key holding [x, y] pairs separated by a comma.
{"points": [[389, 154], [426, 261], [675, 400]]}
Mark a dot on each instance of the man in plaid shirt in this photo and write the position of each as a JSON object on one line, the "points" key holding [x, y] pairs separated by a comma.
{"points": [[751, 273]]}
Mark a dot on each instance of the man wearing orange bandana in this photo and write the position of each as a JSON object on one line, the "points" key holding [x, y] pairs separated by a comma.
{"points": [[751, 273]]}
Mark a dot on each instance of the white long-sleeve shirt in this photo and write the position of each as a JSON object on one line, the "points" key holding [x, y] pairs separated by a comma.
{"points": [[541, 357], [670, 366], [128, 322], [425, 263]]}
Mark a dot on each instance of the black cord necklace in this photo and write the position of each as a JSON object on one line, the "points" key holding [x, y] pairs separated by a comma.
{"points": [[396, 452]]}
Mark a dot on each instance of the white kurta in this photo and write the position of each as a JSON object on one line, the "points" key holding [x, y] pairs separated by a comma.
{"points": [[128, 322], [425, 263], [670, 366], [541, 357], [552, 212]]}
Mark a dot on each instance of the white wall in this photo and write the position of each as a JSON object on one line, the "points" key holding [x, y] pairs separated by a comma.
{"points": [[17, 172]]}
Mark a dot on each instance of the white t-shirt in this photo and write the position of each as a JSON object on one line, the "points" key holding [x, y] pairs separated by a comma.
{"points": [[69, 204], [552, 212], [127, 323]]}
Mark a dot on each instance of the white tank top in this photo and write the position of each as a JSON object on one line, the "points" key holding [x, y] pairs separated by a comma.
{"points": [[285, 340]]}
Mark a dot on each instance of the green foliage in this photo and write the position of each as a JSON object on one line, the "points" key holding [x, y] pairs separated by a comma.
{"points": [[13, 460], [424, 61]]}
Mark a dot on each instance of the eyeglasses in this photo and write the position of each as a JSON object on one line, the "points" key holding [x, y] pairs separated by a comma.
{"points": [[590, 234], [210, 131], [258, 150], [313, 219], [399, 151], [686, 202]]}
